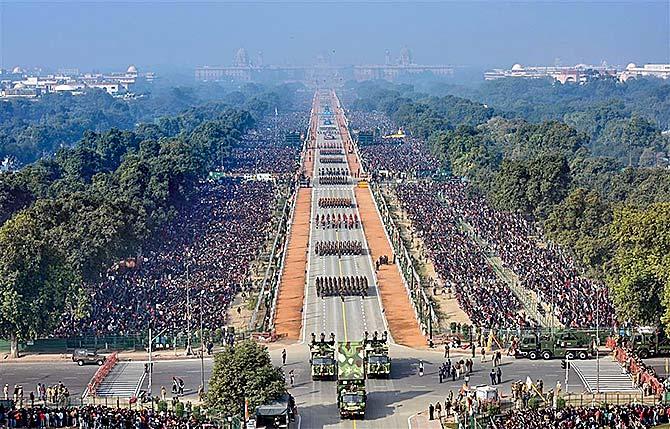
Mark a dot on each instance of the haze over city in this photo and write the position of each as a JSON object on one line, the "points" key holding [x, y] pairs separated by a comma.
{"points": [[155, 34]]}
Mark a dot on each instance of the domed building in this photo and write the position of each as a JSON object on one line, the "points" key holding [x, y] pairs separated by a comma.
{"points": [[132, 70], [241, 58], [405, 56], [517, 67]]}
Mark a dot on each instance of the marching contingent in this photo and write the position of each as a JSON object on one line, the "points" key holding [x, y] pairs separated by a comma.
{"points": [[336, 221], [341, 286], [338, 248]]}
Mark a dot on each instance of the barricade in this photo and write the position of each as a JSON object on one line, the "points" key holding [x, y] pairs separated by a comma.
{"points": [[101, 373], [639, 374]]}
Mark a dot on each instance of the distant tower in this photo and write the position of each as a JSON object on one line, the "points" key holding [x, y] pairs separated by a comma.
{"points": [[387, 57], [405, 56], [260, 59], [241, 58]]}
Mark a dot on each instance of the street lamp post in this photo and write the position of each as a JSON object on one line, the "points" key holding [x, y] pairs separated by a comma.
{"points": [[202, 346], [189, 349], [597, 340]]}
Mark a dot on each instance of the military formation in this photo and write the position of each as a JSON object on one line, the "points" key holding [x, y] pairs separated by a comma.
{"points": [[338, 248], [329, 145], [342, 286], [334, 180], [331, 160], [331, 202], [331, 152], [333, 171], [337, 221]]}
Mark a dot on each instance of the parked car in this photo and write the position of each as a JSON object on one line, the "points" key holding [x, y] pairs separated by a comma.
{"points": [[86, 356]]}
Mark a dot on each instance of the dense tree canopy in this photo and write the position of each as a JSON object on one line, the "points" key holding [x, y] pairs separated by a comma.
{"points": [[243, 372]]}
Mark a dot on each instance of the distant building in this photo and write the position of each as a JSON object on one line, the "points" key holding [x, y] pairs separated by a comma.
{"points": [[579, 73], [28, 85], [661, 71], [244, 70]]}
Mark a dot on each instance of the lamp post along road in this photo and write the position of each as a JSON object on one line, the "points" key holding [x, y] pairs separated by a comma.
{"points": [[202, 346]]}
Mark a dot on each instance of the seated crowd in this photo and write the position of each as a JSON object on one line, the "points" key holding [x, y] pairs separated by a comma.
{"points": [[544, 269], [207, 249], [99, 417], [265, 149], [459, 261], [611, 417]]}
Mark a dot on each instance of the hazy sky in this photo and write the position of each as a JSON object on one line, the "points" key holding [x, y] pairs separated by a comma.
{"points": [[151, 34]]}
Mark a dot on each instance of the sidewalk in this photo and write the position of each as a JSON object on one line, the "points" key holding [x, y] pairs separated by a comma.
{"points": [[420, 421]]}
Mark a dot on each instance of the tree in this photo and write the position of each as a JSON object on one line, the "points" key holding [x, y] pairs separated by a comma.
{"points": [[243, 372], [35, 281], [580, 222], [640, 275]]}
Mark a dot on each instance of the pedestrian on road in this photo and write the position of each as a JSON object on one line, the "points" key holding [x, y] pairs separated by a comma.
{"points": [[163, 393], [453, 373], [5, 391], [283, 357], [446, 351], [472, 346], [467, 380], [181, 386], [291, 376], [441, 374], [492, 375], [438, 409], [431, 412], [420, 368], [499, 375], [483, 353]]}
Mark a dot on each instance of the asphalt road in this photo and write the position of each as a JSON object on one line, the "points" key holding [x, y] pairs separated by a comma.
{"points": [[348, 319]]}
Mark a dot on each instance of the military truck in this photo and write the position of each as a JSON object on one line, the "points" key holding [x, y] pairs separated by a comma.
{"points": [[567, 343], [322, 358], [648, 342], [377, 360], [351, 395]]}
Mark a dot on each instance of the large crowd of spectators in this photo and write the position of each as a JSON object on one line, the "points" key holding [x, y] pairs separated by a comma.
{"points": [[99, 417], [459, 261], [266, 149], [361, 120], [545, 269], [395, 157], [447, 216], [631, 416], [409, 156], [207, 249]]}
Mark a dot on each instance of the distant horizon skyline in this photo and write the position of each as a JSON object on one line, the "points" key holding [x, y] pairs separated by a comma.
{"points": [[92, 35], [152, 68]]}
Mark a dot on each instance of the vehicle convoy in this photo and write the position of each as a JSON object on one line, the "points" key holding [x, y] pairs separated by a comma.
{"points": [[647, 342], [377, 360], [322, 358], [351, 395], [566, 343]]}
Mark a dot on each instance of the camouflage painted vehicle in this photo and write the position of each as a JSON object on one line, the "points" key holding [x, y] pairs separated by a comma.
{"points": [[322, 358], [377, 360], [351, 395]]}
